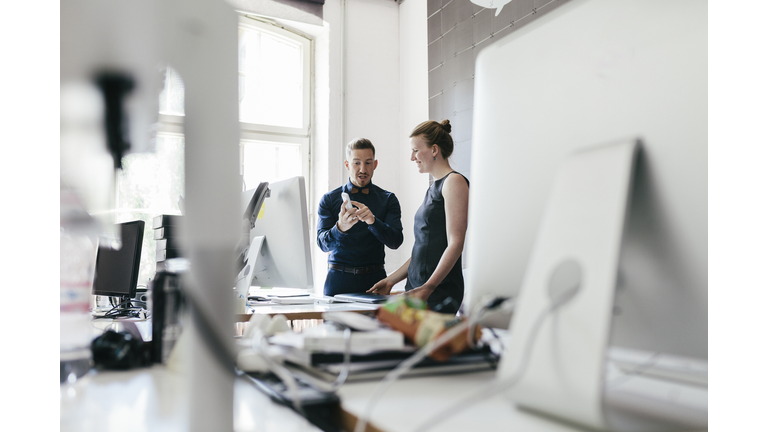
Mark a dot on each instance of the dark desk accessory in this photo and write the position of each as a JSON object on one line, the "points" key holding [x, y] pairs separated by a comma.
{"points": [[120, 350], [319, 408], [168, 305]]}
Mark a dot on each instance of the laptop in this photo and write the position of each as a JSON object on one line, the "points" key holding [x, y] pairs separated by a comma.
{"points": [[363, 297]]}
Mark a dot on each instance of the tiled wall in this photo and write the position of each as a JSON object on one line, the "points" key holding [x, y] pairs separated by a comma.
{"points": [[456, 31]]}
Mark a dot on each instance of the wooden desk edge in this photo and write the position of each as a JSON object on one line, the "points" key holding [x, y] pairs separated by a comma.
{"points": [[349, 420]]}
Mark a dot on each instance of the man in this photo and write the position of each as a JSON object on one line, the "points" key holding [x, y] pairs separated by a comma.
{"points": [[356, 237]]}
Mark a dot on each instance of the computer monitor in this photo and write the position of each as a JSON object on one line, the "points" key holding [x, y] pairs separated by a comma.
{"points": [[117, 270], [588, 73], [279, 250]]}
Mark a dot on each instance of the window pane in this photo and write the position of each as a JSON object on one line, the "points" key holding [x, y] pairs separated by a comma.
{"points": [[271, 79], [151, 184], [172, 96], [270, 162]]}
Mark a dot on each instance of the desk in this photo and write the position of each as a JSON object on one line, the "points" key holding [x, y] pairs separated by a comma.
{"points": [[307, 311], [154, 399], [410, 401], [101, 325]]}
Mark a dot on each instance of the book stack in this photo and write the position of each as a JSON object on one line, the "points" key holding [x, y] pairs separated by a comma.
{"points": [[166, 229], [319, 351]]}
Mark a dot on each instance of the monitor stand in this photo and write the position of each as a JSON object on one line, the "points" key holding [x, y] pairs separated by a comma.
{"points": [[574, 262], [124, 308], [252, 266]]}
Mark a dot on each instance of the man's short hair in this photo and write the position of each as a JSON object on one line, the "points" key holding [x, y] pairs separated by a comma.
{"points": [[360, 144]]}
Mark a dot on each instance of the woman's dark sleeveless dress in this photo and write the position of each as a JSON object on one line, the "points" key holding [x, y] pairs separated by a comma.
{"points": [[431, 240]]}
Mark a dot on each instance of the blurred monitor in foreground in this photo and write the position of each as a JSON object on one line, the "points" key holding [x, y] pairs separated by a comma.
{"points": [[588, 73], [540, 96], [279, 247]]}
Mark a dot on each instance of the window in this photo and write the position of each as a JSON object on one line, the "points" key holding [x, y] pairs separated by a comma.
{"points": [[274, 83], [274, 72], [151, 184]]}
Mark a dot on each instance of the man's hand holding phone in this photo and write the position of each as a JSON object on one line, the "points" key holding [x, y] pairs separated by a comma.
{"points": [[347, 214]]}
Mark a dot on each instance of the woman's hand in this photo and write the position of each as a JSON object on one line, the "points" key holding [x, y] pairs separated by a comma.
{"points": [[383, 287], [423, 292]]}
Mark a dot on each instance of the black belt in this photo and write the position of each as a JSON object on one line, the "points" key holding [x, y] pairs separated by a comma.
{"points": [[356, 270]]}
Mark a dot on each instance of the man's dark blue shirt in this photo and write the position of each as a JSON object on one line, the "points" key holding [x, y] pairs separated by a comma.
{"points": [[363, 244]]}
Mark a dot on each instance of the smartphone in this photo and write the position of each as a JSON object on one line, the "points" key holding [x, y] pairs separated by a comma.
{"points": [[345, 198]]}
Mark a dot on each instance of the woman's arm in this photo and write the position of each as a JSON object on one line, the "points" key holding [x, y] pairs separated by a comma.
{"points": [[456, 196], [385, 285]]}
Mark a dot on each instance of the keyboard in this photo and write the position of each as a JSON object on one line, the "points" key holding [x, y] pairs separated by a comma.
{"points": [[655, 389]]}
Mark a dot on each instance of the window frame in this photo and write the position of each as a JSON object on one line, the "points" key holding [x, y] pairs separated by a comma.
{"points": [[173, 124], [251, 132], [249, 21]]}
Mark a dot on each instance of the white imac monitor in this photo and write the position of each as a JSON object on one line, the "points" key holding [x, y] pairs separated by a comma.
{"points": [[595, 72], [278, 253]]}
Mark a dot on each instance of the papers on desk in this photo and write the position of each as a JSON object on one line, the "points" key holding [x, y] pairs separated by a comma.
{"points": [[319, 351], [328, 338], [294, 300]]}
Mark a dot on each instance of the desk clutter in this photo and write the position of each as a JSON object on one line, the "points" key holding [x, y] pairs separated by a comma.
{"points": [[400, 328], [303, 369], [166, 231]]}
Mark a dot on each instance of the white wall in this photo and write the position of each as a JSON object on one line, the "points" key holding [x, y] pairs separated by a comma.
{"points": [[372, 96], [370, 80], [377, 90], [414, 109]]}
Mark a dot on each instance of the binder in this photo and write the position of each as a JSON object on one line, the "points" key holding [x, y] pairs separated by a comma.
{"points": [[165, 220], [165, 232], [164, 254]]}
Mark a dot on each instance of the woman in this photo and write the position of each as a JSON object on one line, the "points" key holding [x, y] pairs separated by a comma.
{"points": [[440, 225]]}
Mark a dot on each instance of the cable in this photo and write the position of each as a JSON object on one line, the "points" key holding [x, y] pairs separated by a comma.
{"points": [[282, 372], [411, 361], [324, 386], [497, 338], [402, 368], [638, 370], [505, 305], [287, 376], [118, 310], [497, 386]]}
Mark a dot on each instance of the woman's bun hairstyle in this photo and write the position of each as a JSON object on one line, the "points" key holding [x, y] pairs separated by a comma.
{"points": [[446, 124], [436, 134]]}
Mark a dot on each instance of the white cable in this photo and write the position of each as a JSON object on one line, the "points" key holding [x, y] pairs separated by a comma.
{"points": [[341, 378], [287, 376], [427, 349], [403, 367], [638, 370], [506, 306], [497, 386], [282, 372]]}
